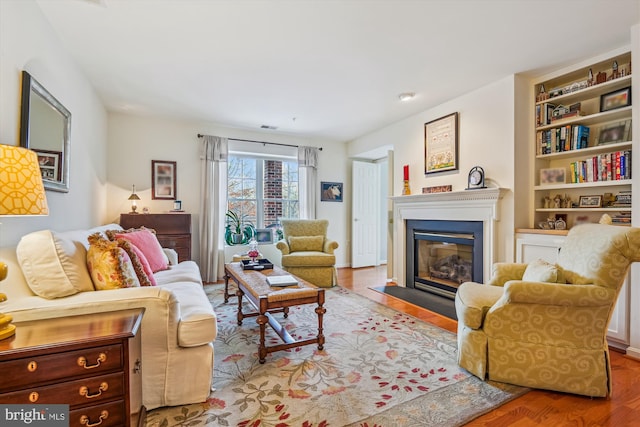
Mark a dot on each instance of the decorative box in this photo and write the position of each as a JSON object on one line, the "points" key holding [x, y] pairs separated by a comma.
{"points": [[261, 264]]}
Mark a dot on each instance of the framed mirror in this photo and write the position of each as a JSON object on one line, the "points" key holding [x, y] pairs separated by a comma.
{"points": [[45, 126]]}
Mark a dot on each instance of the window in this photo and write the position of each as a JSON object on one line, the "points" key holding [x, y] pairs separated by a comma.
{"points": [[262, 189]]}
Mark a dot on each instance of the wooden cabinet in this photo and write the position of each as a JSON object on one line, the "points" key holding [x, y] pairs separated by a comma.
{"points": [[173, 230], [583, 142], [90, 362]]}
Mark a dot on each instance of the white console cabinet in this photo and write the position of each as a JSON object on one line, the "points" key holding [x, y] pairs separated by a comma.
{"points": [[539, 244]]}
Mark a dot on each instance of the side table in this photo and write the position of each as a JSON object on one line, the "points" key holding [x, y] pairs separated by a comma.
{"points": [[90, 362]]}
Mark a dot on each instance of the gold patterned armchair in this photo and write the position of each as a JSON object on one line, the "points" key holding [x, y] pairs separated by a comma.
{"points": [[544, 326], [306, 251]]}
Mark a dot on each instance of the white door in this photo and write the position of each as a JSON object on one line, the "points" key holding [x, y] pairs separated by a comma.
{"points": [[364, 210]]}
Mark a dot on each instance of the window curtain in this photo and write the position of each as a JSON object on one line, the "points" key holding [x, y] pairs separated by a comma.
{"points": [[307, 166], [213, 202]]}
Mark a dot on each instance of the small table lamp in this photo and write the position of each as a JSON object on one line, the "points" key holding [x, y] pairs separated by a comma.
{"points": [[133, 197], [21, 193]]}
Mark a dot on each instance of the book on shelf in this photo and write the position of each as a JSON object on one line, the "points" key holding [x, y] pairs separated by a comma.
{"points": [[561, 139], [286, 280], [613, 166]]}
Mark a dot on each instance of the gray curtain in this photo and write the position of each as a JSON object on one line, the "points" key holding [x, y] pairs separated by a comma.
{"points": [[213, 203], [307, 166]]}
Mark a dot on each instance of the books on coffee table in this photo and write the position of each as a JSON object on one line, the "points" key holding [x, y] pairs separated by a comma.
{"points": [[286, 280]]}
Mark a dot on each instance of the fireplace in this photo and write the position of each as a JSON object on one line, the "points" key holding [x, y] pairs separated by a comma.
{"points": [[442, 254], [478, 206]]}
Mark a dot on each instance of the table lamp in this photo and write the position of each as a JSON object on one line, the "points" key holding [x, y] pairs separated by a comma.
{"points": [[21, 193], [133, 197]]}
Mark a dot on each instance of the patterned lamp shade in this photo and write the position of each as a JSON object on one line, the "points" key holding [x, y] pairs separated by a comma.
{"points": [[21, 188]]}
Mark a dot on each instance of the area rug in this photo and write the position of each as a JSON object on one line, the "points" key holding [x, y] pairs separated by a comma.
{"points": [[435, 303], [379, 367]]}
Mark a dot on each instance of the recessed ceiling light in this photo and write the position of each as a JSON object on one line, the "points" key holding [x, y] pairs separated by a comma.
{"points": [[406, 96]]}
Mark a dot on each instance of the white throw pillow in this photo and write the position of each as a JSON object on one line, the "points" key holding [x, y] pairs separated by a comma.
{"points": [[542, 271], [53, 265]]}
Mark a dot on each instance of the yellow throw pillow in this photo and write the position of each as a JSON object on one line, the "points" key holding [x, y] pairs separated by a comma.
{"points": [[109, 265], [542, 271], [306, 243]]}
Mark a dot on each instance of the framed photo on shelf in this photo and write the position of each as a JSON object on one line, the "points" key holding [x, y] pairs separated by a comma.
{"points": [[50, 163], [617, 132], [264, 236], [441, 144], [553, 176], [590, 202], [330, 191], [163, 180], [616, 99]]}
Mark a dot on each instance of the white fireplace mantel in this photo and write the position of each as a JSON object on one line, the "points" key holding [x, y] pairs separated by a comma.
{"points": [[469, 205]]}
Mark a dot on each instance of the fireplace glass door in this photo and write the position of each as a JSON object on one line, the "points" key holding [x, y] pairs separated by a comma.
{"points": [[444, 260]]}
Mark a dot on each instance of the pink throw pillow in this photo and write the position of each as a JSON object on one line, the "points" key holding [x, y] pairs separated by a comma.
{"points": [[148, 244], [140, 263]]}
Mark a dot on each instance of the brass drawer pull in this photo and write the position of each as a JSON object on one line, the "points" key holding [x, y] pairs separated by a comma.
{"points": [[34, 396], [82, 361], [84, 391], [84, 420], [32, 366]]}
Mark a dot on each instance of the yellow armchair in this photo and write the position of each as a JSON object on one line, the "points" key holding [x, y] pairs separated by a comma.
{"points": [[544, 326], [307, 252]]}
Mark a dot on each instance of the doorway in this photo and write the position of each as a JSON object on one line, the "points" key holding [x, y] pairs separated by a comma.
{"points": [[370, 210]]}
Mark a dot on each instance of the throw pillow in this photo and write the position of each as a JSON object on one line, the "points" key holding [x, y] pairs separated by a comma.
{"points": [[148, 243], [111, 234], [306, 243], [53, 265], [139, 262], [542, 271], [109, 265]]}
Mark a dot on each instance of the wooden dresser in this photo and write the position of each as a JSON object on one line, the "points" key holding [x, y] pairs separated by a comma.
{"points": [[91, 363], [173, 229]]}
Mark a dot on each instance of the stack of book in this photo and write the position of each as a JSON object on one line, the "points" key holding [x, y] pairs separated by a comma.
{"points": [[286, 280], [621, 218]]}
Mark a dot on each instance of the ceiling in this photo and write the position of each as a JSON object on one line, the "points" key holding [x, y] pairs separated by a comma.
{"points": [[321, 69]]}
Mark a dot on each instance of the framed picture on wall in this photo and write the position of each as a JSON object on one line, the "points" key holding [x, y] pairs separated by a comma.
{"points": [[50, 163], [163, 180], [330, 191], [441, 144]]}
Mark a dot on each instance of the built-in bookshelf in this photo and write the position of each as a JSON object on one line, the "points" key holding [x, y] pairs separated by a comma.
{"points": [[583, 144]]}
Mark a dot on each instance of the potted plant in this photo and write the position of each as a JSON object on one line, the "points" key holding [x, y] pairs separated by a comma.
{"points": [[237, 230]]}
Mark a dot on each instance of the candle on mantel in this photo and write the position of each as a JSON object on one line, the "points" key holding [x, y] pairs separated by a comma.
{"points": [[406, 172]]}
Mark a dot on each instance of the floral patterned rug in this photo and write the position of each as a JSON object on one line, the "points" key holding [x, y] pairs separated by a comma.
{"points": [[378, 368]]}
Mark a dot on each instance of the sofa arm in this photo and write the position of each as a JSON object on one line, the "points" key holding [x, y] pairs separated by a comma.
{"points": [[329, 246], [543, 293], [283, 246], [502, 272]]}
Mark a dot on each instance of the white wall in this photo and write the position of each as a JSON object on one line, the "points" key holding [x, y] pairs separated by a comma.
{"points": [[27, 42], [486, 138], [135, 140]]}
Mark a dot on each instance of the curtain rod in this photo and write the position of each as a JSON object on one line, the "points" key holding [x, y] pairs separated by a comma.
{"points": [[260, 142]]}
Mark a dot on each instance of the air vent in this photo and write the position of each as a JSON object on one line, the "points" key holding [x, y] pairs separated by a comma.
{"points": [[268, 127]]}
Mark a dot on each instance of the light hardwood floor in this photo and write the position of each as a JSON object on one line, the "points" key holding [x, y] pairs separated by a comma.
{"points": [[538, 407]]}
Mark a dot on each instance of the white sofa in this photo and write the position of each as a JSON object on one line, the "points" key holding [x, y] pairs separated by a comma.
{"points": [[178, 325]]}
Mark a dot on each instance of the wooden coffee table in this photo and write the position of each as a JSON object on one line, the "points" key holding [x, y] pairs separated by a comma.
{"points": [[268, 300]]}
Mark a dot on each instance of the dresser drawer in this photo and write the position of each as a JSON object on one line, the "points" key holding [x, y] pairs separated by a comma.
{"points": [[33, 371], [174, 241], [87, 391], [180, 243], [104, 415]]}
